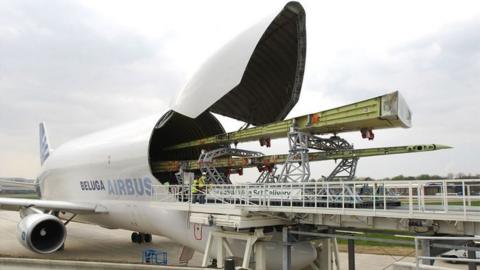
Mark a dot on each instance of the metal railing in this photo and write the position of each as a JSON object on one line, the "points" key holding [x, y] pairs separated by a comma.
{"points": [[460, 198], [419, 258]]}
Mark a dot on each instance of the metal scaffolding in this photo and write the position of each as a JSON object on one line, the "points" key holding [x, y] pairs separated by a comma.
{"points": [[296, 167], [206, 158]]}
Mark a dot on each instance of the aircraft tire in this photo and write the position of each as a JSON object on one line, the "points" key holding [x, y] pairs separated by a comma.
{"points": [[141, 238], [135, 237], [148, 238]]}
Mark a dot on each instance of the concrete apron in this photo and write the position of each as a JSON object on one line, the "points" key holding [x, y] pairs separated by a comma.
{"points": [[41, 264], [413, 266]]}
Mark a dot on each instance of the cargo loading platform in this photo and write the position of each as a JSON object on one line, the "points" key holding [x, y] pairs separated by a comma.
{"points": [[288, 199], [442, 206]]}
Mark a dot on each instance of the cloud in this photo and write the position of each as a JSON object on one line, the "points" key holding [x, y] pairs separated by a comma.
{"points": [[62, 63], [68, 64], [438, 76]]}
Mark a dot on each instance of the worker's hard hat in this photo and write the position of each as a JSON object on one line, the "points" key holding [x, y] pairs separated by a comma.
{"points": [[204, 173]]}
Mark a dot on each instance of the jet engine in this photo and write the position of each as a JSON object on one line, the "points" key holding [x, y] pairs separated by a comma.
{"points": [[42, 233]]}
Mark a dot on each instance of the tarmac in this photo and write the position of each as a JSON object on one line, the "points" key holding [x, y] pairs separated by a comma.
{"points": [[93, 243]]}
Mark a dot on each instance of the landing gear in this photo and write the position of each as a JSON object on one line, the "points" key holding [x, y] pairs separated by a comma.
{"points": [[148, 238], [214, 264], [141, 238], [135, 237]]}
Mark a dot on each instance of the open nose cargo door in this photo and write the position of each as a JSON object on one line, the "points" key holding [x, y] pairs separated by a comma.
{"points": [[256, 77]]}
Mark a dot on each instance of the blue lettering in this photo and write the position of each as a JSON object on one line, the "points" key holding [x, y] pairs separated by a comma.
{"points": [[148, 186], [116, 187], [139, 186], [129, 184], [111, 191], [121, 187]]}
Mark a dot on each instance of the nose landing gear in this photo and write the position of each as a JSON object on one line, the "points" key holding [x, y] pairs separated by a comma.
{"points": [[140, 238]]}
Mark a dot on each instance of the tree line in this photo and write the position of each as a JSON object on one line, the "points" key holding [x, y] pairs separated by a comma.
{"points": [[435, 176]]}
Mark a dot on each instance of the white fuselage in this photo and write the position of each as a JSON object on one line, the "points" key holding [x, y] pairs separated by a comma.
{"points": [[111, 168], [263, 65]]}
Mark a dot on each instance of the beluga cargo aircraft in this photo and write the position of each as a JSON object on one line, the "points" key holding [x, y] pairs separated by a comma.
{"points": [[105, 178], [110, 177]]}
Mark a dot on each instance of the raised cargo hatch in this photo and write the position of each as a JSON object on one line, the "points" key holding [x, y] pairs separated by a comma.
{"points": [[257, 76]]}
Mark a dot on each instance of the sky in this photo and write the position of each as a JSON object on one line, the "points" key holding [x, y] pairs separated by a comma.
{"points": [[86, 65]]}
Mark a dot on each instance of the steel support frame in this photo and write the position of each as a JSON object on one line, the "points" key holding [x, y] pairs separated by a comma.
{"points": [[180, 175], [296, 168], [472, 255], [206, 158], [332, 143], [287, 250], [426, 251], [351, 254], [420, 259], [223, 246], [344, 171], [346, 166], [267, 176], [326, 255]]}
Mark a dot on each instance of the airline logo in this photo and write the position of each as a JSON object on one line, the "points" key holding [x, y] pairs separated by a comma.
{"points": [[120, 187], [44, 146]]}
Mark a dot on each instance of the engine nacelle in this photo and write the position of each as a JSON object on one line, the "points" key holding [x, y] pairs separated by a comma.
{"points": [[42, 233]]}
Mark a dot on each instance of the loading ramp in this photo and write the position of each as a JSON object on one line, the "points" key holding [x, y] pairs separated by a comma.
{"points": [[397, 205]]}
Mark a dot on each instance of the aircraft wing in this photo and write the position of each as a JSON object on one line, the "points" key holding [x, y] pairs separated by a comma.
{"points": [[386, 111], [15, 204], [17, 183]]}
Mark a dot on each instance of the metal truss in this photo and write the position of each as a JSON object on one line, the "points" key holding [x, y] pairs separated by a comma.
{"points": [[347, 167], [179, 177], [180, 174], [296, 167], [267, 175], [328, 144], [213, 174], [344, 171]]}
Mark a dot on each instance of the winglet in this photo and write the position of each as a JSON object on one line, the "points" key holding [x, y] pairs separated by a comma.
{"points": [[44, 143]]}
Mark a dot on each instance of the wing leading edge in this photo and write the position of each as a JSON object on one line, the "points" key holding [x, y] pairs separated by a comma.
{"points": [[15, 204]]}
